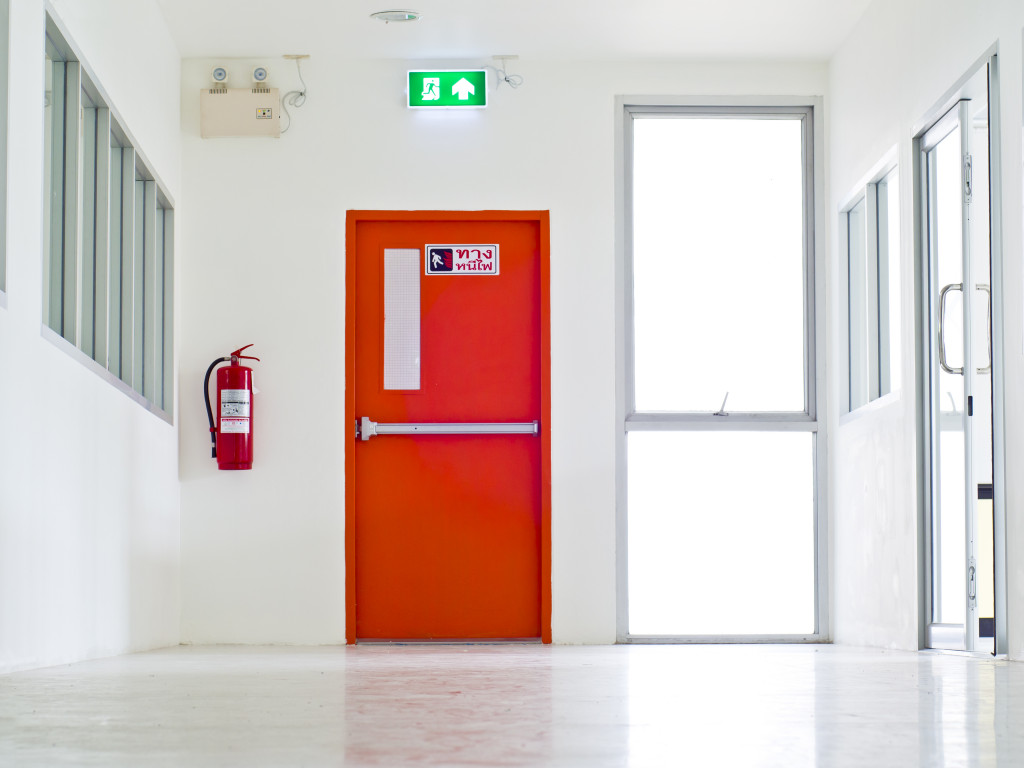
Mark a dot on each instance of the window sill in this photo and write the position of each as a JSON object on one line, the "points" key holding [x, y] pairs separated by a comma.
{"points": [[868, 409], [78, 355]]}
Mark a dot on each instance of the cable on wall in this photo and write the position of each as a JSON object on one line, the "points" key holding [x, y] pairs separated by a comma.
{"points": [[501, 73], [297, 98]]}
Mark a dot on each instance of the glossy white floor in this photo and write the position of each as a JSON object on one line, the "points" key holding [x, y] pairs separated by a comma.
{"points": [[517, 706]]}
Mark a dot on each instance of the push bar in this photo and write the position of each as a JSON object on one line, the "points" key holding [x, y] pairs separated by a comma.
{"points": [[365, 428]]}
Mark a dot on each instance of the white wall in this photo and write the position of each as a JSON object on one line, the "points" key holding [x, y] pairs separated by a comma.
{"points": [[902, 59], [262, 248], [89, 492]]}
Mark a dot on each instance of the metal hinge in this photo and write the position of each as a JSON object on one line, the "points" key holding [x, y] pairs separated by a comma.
{"points": [[968, 185]]}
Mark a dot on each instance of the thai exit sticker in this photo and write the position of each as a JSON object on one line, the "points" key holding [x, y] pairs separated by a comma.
{"points": [[461, 259]]}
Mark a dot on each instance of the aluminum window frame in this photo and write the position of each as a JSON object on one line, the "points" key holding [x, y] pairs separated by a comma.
{"points": [[811, 419], [878, 343], [108, 253]]}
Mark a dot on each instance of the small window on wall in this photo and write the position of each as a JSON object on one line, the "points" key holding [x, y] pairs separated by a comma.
{"points": [[870, 238], [108, 234]]}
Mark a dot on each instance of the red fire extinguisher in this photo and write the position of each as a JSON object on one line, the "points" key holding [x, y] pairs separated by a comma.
{"points": [[232, 435]]}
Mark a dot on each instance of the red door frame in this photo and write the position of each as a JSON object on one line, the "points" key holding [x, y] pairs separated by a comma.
{"points": [[353, 218]]}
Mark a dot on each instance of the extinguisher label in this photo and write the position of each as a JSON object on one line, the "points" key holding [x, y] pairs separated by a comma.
{"points": [[234, 426], [234, 403]]}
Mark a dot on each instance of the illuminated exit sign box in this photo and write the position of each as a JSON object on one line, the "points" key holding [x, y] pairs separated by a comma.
{"points": [[448, 89]]}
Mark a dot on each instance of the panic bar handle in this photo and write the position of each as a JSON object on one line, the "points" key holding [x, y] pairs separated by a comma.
{"points": [[365, 428]]}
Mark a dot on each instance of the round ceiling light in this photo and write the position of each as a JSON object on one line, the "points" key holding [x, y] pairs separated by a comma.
{"points": [[389, 16]]}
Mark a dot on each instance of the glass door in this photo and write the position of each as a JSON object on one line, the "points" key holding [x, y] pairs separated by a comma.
{"points": [[960, 524]]}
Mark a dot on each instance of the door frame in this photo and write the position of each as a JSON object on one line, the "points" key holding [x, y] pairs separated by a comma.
{"points": [[923, 330], [352, 220]]}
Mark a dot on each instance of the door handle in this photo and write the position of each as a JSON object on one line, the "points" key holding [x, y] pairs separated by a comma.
{"points": [[942, 326], [988, 328], [365, 428]]}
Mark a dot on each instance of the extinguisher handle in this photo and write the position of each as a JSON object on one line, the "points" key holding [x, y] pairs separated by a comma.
{"points": [[238, 352], [247, 357]]}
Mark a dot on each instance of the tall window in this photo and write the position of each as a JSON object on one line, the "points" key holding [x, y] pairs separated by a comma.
{"points": [[721, 430], [108, 233], [870, 228]]}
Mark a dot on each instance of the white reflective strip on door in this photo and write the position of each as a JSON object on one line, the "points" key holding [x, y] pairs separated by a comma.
{"points": [[401, 318]]}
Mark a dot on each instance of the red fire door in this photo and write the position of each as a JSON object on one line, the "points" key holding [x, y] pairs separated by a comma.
{"points": [[447, 405]]}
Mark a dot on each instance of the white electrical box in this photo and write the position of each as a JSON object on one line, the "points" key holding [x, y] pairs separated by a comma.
{"points": [[227, 112]]}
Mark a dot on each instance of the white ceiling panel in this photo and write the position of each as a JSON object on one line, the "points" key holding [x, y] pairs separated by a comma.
{"points": [[540, 29]]}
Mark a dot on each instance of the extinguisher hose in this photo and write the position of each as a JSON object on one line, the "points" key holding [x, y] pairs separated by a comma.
{"points": [[209, 410]]}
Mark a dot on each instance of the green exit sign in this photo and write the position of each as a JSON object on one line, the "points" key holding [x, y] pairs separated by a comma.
{"points": [[448, 88]]}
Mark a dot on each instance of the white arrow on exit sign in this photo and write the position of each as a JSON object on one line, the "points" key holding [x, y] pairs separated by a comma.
{"points": [[463, 89]]}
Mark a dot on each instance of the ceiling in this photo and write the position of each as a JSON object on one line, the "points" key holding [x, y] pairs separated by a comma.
{"points": [[537, 29]]}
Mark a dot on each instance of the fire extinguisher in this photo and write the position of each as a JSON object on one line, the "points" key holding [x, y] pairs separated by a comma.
{"points": [[232, 435]]}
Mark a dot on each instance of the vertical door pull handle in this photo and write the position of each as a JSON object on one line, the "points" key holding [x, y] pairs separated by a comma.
{"points": [[942, 327]]}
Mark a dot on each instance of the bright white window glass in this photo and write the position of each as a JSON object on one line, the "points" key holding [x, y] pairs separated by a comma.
{"points": [[949, 602], [152, 296], [168, 319], [859, 331], [57, 315], [889, 281], [128, 240], [89, 253], [718, 264], [115, 267], [155, 282], [721, 533], [48, 188], [401, 318], [138, 289], [948, 524]]}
